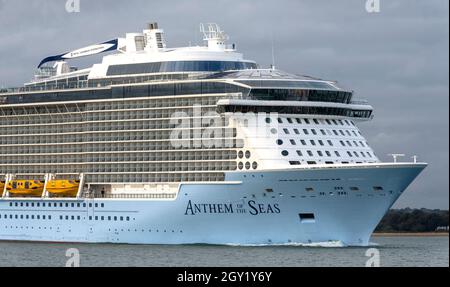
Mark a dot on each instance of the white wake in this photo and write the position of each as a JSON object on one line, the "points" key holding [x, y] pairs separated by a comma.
{"points": [[328, 244]]}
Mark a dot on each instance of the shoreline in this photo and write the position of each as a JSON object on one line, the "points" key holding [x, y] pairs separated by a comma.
{"points": [[393, 234]]}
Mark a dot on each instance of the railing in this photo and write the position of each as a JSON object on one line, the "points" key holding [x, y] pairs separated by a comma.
{"points": [[134, 195], [105, 83], [79, 85], [359, 102]]}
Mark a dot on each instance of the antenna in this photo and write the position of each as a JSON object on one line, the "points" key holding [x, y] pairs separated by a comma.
{"points": [[212, 31], [215, 37], [273, 53]]}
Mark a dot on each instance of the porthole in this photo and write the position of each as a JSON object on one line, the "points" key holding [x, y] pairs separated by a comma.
{"points": [[274, 131], [255, 165], [247, 154], [247, 165], [279, 142], [285, 153], [240, 165], [240, 154], [268, 120]]}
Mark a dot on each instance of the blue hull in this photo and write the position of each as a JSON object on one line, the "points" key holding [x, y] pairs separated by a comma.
{"points": [[270, 207]]}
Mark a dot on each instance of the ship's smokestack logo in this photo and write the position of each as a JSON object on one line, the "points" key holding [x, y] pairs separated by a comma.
{"points": [[251, 207]]}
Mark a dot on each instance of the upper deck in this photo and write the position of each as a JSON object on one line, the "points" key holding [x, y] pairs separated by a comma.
{"points": [[142, 66]]}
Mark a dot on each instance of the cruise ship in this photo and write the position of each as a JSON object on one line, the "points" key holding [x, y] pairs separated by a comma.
{"points": [[188, 145]]}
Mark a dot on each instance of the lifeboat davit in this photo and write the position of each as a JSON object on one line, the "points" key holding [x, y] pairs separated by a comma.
{"points": [[25, 187], [62, 187]]}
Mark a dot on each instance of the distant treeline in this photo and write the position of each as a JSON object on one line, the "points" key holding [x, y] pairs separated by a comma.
{"points": [[413, 220]]}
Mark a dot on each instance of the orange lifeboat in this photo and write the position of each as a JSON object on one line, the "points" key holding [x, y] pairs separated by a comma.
{"points": [[25, 188], [63, 187]]}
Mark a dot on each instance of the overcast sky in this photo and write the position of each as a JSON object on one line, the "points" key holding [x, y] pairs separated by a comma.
{"points": [[397, 58]]}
